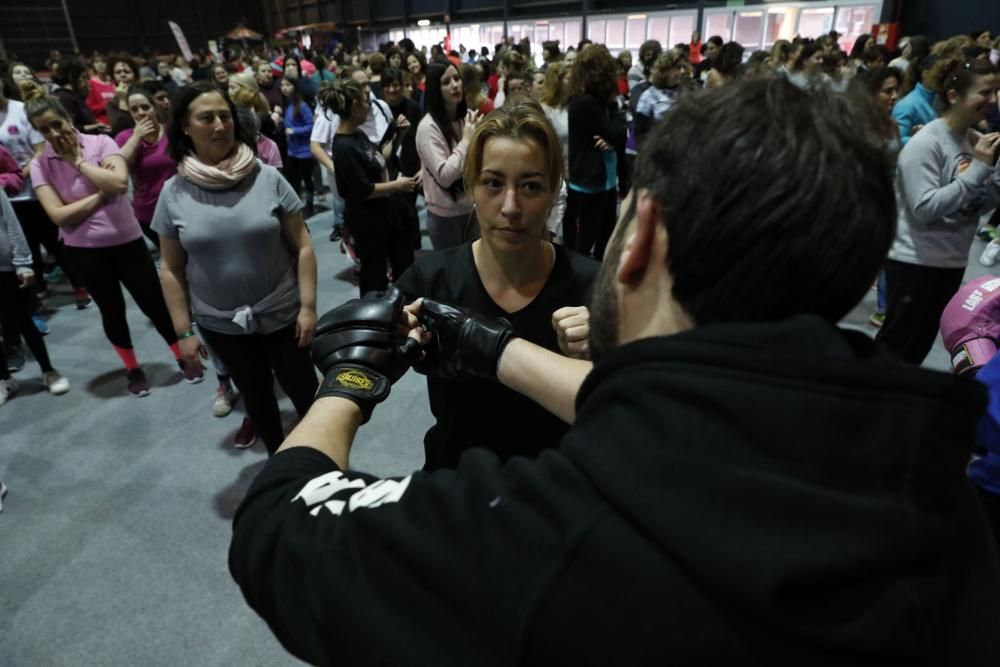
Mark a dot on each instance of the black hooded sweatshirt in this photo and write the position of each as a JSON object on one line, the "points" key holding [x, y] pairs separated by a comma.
{"points": [[774, 494]]}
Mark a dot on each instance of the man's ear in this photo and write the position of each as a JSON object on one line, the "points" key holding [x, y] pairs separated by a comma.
{"points": [[640, 244]]}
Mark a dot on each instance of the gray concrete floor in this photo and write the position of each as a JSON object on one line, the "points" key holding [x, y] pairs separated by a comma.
{"points": [[114, 536]]}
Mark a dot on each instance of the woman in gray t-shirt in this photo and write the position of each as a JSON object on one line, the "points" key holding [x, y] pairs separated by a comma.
{"points": [[236, 254]]}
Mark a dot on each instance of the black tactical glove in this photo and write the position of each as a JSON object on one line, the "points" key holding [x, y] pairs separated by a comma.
{"points": [[464, 345], [356, 348]]}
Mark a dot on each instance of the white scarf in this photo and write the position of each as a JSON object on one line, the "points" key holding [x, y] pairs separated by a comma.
{"points": [[222, 176]]}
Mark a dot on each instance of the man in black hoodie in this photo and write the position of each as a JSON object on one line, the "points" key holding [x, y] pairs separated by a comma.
{"points": [[743, 483]]}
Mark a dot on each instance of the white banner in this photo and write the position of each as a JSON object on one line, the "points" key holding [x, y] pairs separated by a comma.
{"points": [[181, 41]]}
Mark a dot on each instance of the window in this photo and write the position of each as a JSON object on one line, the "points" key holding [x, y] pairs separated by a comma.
{"points": [[777, 20], [681, 30], [658, 28], [595, 31], [616, 34], [635, 32], [748, 30], [719, 24], [852, 22], [815, 22], [574, 29]]}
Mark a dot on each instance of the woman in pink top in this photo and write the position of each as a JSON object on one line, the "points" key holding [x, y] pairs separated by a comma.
{"points": [[80, 179], [144, 148]]}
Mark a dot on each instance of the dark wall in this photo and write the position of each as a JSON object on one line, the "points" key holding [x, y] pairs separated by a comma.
{"points": [[30, 29], [937, 19]]}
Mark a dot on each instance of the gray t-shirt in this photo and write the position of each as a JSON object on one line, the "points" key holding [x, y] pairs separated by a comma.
{"points": [[237, 255]]}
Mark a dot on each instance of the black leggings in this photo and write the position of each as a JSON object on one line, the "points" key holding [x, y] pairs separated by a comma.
{"points": [[379, 241], [105, 270], [253, 361], [147, 229], [16, 307], [39, 231], [915, 298], [299, 172], [589, 221]]}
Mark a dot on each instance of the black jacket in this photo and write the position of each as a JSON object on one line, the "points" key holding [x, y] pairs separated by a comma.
{"points": [[780, 494], [589, 116]]}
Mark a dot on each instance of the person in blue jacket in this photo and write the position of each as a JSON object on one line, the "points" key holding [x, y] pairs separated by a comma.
{"points": [[916, 109], [300, 163]]}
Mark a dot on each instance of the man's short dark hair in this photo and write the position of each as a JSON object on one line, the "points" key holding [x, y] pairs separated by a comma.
{"points": [[776, 201]]}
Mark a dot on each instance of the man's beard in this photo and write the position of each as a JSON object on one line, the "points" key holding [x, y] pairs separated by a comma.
{"points": [[604, 302]]}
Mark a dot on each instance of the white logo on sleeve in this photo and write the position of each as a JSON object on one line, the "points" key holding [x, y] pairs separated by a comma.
{"points": [[318, 493]]}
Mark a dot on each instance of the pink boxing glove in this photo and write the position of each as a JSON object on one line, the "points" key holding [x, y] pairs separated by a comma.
{"points": [[970, 324]]}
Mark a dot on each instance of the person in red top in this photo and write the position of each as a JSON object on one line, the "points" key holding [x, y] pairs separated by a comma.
{"points": [[102, 90], [474, 97], [624, 65], [695, 48]]}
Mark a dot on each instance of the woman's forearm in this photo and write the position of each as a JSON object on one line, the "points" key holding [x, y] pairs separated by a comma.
{"points": [[383, 189], [129, 148], [107, 180], [175, 293], [71, 215], [307, 277]]}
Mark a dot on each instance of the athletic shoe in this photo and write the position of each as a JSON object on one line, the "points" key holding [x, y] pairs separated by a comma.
{"points": [[3, 492], [137, 385], [246, 436], [990, 252], [40, 324], [15, 358], [7, 389], [191, 374], [56, 383], [81, 297], [877, 319], [223, 403], [55, 275], [987, 233], [335, 234]]}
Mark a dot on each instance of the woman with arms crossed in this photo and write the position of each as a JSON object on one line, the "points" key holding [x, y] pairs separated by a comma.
{"points": [[81, 180]]}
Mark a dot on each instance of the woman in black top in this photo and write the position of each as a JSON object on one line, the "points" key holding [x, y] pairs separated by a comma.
{"points": [[513, 171], [597, 133], [363, 182]]}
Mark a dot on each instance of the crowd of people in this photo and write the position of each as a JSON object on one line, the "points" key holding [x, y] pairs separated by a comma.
{"points": [[525, 164]]}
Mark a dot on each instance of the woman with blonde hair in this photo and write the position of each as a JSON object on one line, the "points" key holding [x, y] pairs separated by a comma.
{"points": [[513, 171], [781, 52]]}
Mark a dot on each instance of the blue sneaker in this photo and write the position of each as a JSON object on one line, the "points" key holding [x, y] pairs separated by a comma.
{"points": [[40, 324]]}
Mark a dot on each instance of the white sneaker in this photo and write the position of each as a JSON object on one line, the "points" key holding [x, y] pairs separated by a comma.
{"points": [[56, 383], [7, 389], [223, 403], [990, 252], [3, 492]]}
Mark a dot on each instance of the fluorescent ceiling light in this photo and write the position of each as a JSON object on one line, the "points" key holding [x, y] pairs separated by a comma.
{"points": [[423, 22]]}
